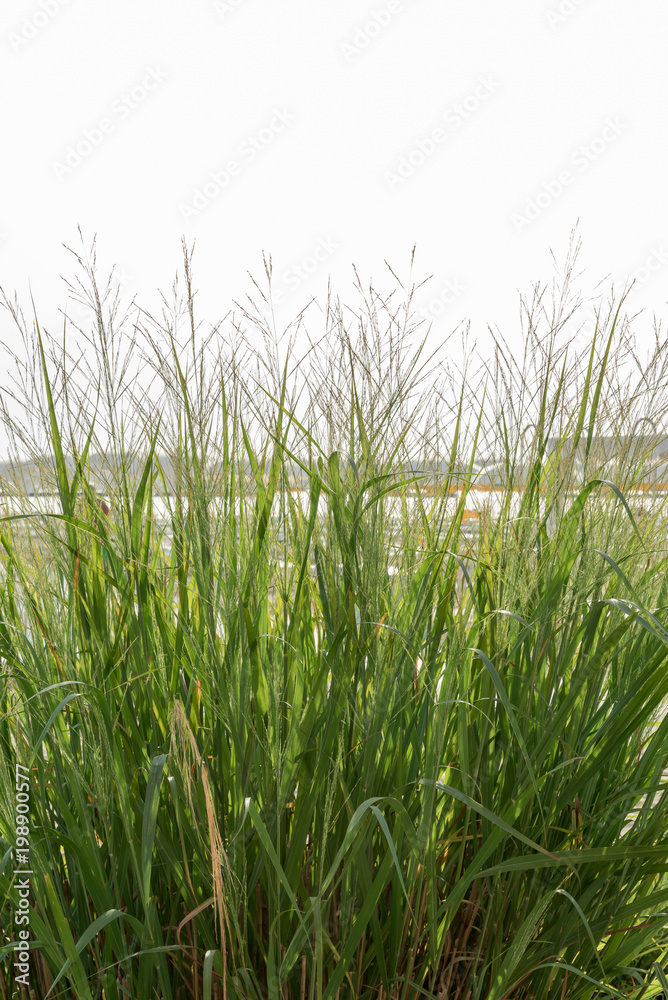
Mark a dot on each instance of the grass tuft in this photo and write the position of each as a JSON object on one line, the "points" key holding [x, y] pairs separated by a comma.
{"points": [[338, 681]]}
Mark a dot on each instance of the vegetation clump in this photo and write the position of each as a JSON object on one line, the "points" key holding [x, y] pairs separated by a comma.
{"points": [[362, 699]]}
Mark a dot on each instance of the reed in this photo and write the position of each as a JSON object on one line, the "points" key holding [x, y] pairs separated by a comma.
{"points": [[388, 736]]}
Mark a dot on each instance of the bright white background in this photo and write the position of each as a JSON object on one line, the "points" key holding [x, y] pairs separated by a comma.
{"points": [[116, 115]]}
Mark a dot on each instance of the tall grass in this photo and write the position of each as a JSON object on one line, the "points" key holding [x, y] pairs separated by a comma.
{"points": [[389, 737]]}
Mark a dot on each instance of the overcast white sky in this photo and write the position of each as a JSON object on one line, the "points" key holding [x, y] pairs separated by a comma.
{"points": [[336, 133]]}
